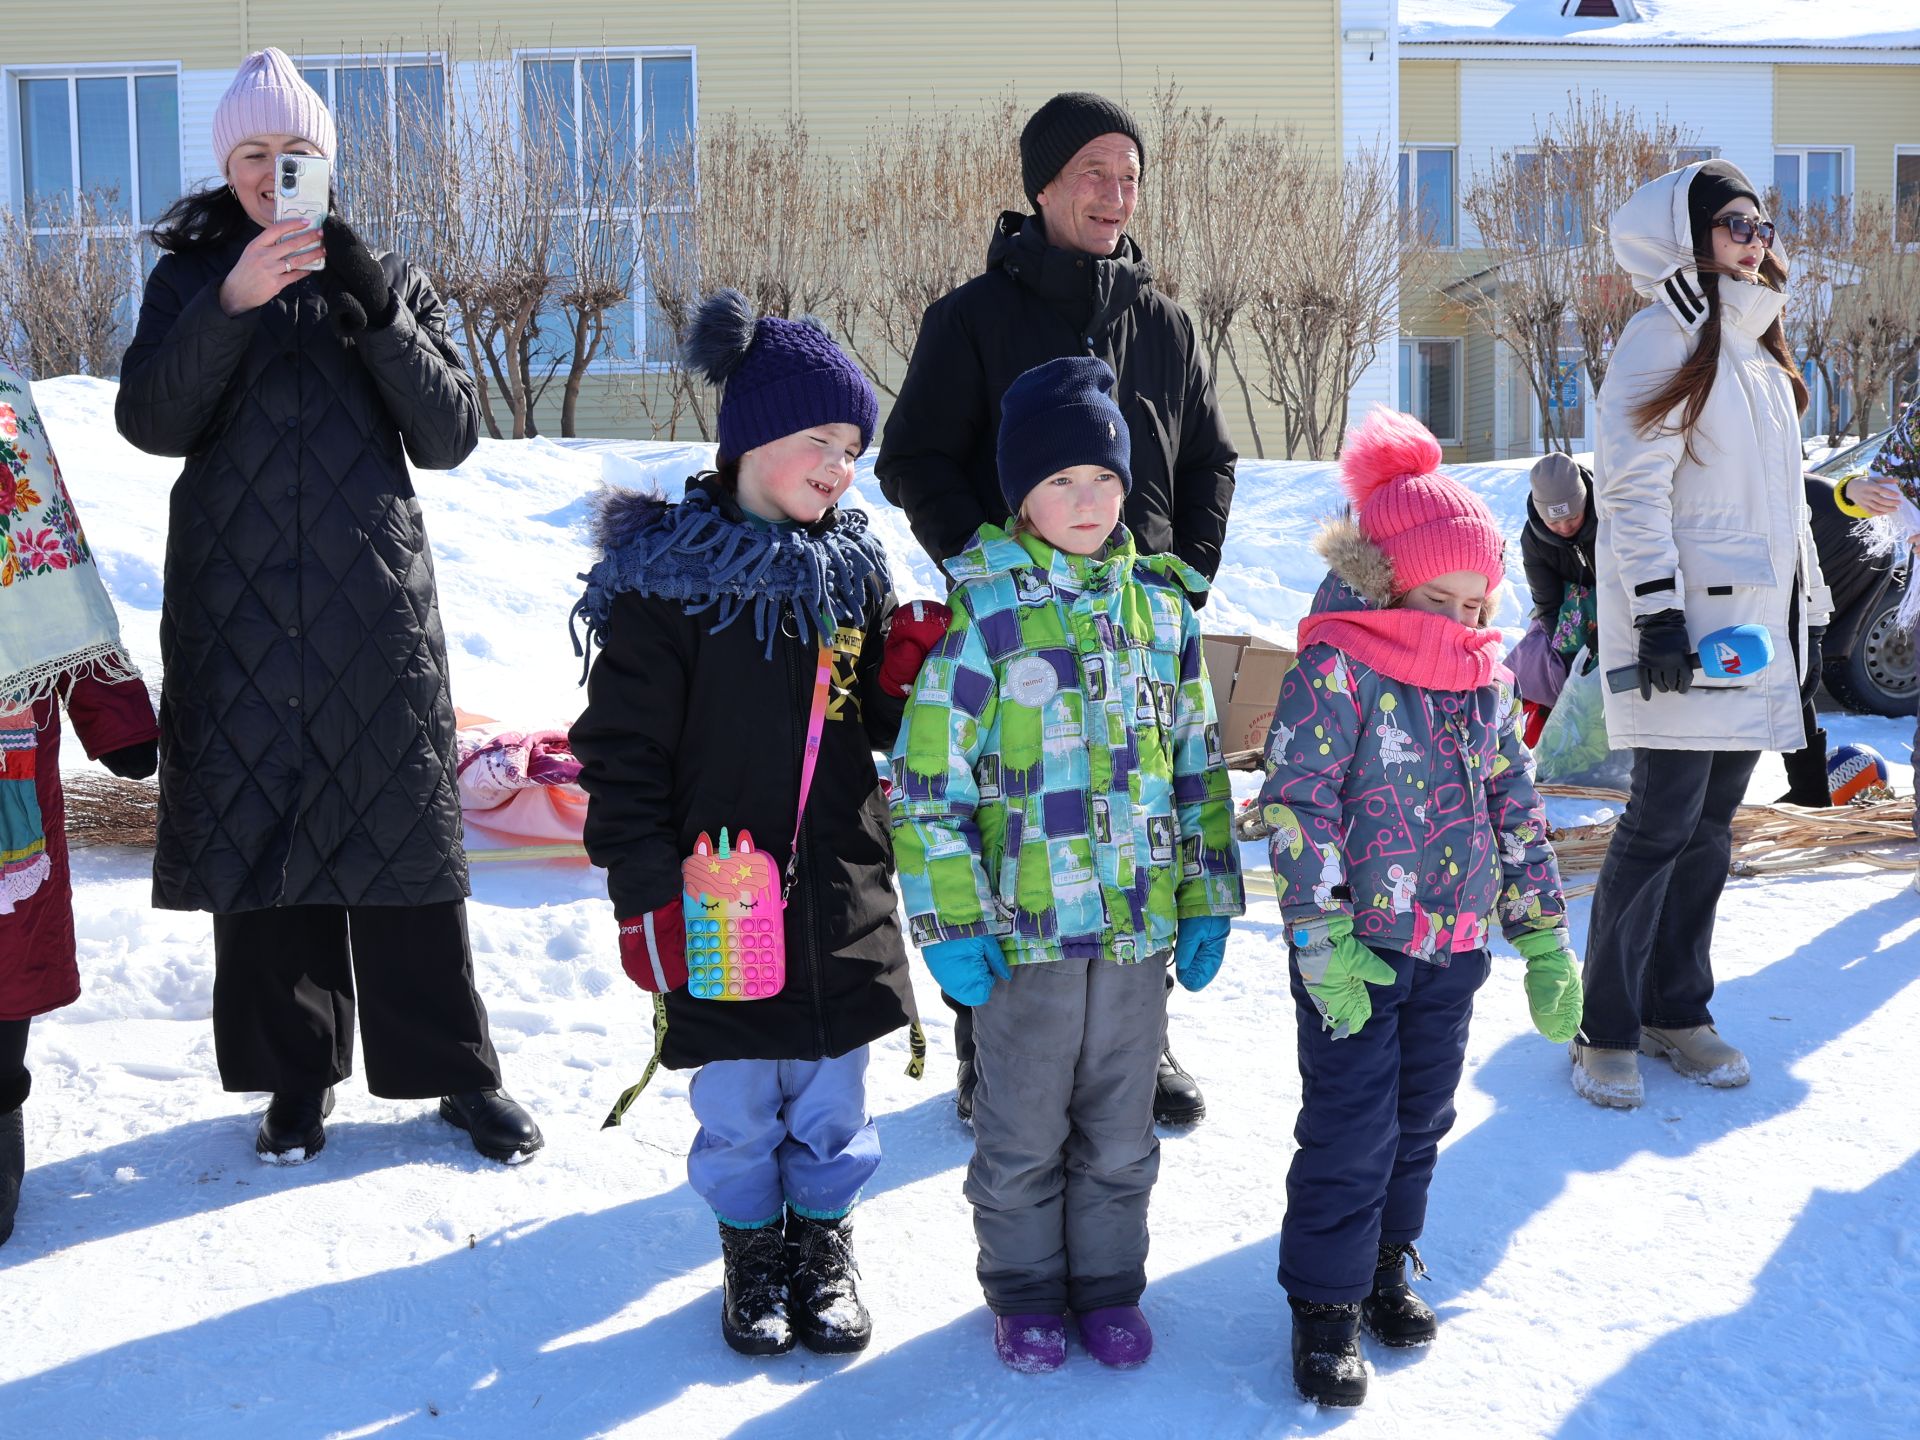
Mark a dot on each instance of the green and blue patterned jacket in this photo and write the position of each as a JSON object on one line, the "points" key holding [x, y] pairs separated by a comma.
{"points": [[1058, 781]]}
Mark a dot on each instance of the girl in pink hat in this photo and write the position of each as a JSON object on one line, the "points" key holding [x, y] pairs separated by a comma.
{"points": [[1404, 823]]}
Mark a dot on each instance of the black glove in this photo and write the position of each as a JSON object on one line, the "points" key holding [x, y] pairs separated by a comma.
{"points": [[362, 298], [1666, 659], [133, 762]]}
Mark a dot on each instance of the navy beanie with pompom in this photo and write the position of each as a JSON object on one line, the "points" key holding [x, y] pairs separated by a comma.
{"points": [[1056, 415], [777, 376]]}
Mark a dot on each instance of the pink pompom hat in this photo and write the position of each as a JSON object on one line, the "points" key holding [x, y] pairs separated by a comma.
{"points": [[268, 97], [1424, 523]]}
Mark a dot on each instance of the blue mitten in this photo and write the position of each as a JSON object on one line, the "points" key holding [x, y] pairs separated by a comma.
{"points": [[966, 969], [1201, 947]]}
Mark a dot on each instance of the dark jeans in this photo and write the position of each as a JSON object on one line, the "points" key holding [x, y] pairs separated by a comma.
{"points": [[1374, 1108], [15, 1082], [283, 999], [1650, 942]]}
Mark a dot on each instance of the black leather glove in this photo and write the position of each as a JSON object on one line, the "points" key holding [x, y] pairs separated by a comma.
{"points": [[1665, 662], [133, 762], [362, 298]]}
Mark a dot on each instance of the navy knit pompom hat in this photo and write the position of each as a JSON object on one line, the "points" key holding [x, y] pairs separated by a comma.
{"points": [[777, 376], [1056, 415]]}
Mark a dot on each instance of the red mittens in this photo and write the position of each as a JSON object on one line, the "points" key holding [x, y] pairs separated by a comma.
{"points": [[916, 629], [653, 948]]}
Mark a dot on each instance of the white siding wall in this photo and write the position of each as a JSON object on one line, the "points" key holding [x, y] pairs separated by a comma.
{"points": [[9, 109], [200, 92], [1730, 107], [1370, 121]]}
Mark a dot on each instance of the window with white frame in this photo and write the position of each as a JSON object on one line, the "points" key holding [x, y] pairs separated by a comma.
{"points": [[1426, 191], [611, 114], [1810, 177], [111, 136], [377, 101], [1558, 209], [1906, 195], [1431, 384]]}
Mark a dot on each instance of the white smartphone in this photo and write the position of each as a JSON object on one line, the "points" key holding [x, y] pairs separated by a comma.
{"points": [[300, 192]]}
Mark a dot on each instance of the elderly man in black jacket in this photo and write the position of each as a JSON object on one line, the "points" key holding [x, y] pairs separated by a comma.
{"points": [[1066, 280]]}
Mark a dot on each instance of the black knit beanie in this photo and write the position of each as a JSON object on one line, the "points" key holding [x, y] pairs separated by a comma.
{"points": [[1718, 182], [1060, 127]]}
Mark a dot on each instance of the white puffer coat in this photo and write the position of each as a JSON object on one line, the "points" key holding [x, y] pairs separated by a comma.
{"points": [[1721, 534]]}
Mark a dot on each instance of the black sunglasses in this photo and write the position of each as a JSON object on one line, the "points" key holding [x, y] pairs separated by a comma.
{"points": [[1745, 229]]}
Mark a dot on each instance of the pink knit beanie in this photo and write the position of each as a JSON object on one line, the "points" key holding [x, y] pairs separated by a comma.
{"points": [[268, 97], [1425, 524]]}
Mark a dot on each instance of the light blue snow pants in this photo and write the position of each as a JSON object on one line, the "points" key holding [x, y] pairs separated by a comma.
{"points": [[778, 1134]]}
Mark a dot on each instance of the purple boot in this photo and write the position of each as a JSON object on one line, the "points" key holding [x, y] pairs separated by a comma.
{"points": [[1118, 1336], [1031, 1344]]}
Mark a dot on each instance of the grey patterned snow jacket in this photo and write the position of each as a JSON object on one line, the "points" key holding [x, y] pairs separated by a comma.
{"points": [[306, 729]]}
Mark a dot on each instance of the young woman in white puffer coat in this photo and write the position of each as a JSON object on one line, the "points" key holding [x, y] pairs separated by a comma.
{"points": [[1703, 524]]}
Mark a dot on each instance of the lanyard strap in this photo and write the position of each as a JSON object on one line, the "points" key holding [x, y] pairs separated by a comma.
{"points": [[816, 722]]}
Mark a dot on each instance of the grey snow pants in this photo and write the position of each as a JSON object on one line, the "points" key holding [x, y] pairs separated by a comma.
{"points": [[1064, 1151]]}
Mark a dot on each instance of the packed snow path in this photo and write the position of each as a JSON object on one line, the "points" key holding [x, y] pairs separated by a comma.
{"points": [[1718, 1263]]}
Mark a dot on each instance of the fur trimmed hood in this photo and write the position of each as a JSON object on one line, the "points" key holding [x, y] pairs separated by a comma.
{"points": [[1357, 563]]}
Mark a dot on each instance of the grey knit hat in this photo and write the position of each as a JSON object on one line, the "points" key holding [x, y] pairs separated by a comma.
{"points": [[1559, 489]]}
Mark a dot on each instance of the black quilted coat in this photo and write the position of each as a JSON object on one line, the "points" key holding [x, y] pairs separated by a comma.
{"points": [[306, 730]]}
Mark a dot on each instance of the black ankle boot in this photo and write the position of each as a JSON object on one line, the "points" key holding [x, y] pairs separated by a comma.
{"points": [[13, 1166], [1327, 1368], [1393, 1314], [827, 1313], [753, 1296], [1176, 1096], [500, 1126], [291, 1131]]}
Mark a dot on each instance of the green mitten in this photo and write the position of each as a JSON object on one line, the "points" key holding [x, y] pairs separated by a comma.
{"points": [[1337, 969], [1553, 984]]}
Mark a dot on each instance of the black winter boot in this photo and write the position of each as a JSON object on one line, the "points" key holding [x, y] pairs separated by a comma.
{"points": [[1807, 782], [13, 1165], [963, 1082], [499, 1125], [753, 1297], [1327, 1368], [1393, 1314], [291, 1131], [827, 1313], [1176, 1096]]}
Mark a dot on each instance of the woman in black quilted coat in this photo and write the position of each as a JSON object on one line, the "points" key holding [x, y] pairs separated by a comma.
{"points": [[307, 780]]}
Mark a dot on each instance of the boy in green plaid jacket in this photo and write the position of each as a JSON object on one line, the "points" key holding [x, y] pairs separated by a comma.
{"points": [[1063, 829]]}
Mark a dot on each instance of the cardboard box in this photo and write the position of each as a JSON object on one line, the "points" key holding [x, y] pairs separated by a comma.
{"points": [[1245, 672]]}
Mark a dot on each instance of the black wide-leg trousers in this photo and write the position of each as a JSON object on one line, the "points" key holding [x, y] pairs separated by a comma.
{"points": [[287, 983]]}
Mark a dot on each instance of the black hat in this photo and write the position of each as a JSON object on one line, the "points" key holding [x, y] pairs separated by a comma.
{"points": [[1057, 415], [1717, 182], [1060, 127]]}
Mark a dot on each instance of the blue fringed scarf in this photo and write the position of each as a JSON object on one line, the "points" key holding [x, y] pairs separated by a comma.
{"points": [[693, 554]]}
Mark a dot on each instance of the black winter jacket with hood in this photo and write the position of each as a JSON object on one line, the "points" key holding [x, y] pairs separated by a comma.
{"points": [[1554, 562], [306, 727], [1035, 303], [686, 731]]}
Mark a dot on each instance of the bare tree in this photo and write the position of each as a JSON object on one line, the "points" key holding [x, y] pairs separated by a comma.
{"points": [[1541, 211], [66, 278], [1821, 244], [1326, 291], [1873, 340]]}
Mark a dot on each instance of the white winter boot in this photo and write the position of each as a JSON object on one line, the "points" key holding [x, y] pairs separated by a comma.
{"points": [[1697, 1053], [1606, 1077]]}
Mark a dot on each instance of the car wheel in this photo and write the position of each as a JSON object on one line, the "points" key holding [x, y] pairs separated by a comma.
{"points": [[1877, 676]]}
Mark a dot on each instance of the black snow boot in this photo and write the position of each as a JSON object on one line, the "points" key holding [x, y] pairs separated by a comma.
{"points": [[13, 1166], [827, 1313], [963, 1083], [1807, 782], [291, 1131], [1176, 1096], [1327, 1368], [1393, 1314], [753, 1297], [500, 1127]]}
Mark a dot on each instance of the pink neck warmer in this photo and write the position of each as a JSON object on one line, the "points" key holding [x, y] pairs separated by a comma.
{"points": [[1414, 647]]}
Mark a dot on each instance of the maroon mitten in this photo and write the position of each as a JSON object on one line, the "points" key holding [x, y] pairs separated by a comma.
{"points": [[916, 629], [653, 948]]}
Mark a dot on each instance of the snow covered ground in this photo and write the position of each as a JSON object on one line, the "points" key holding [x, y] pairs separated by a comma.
{"points": [[1717, 1264]]}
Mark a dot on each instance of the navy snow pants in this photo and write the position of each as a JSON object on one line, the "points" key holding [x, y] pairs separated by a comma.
{"points": [[1374, 1108]]}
